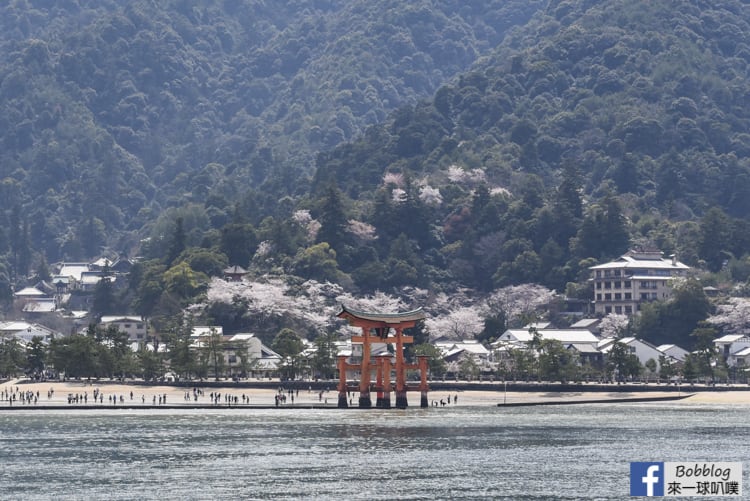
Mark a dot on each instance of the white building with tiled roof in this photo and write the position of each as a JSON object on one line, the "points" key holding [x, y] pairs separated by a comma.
{"points": [[643, 350], [29, 293], [453, 349], [74, 270], [25, 331], [730, 344], [622, 285], [673, 351], [565, 336], [740, 359], [135, 327], [590, 324], [582, 341]]}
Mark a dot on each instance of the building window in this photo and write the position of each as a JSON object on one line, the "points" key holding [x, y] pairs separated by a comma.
{"points": [[608, 309], [618, 310], [618, 296], [617, 273], [139, 326], [127, 326], [627, 284], [607, 273], [628, 295], [607, 285], [598, 273], [598, 285], [628, 310], [598, 297], [617, 285], [654, 295], [608, 297], [644, 296], [232, 359]]}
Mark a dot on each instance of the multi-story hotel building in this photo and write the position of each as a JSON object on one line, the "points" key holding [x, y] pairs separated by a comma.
{"points": [[622, 285]]}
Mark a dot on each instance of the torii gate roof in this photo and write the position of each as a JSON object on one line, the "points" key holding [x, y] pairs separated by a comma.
{"points": [[386, 318]]}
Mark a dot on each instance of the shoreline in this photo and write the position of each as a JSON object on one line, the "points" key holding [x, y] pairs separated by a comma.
{"points": [[224, 395]]}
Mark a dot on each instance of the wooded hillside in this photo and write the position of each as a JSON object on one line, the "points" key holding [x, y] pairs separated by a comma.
{"points": [[588, 128], [113, 111]]}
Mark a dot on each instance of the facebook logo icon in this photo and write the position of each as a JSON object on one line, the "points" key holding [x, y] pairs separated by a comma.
{"points": [[646, 479]]}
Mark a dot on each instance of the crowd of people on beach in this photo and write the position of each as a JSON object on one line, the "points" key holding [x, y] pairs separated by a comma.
{"points": [[443, 402], [14, 394]]}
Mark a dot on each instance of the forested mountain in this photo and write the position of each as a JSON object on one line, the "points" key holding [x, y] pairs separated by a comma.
{"points": [[588, 128], [597, 126], [113, 111]]}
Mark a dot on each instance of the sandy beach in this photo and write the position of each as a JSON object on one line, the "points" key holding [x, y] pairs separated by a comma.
{"points": [[57, 394]]}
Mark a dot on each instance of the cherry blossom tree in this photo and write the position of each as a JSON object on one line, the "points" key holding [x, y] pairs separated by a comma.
{"points": [[613, 325], [430, 196], [519, 304], [311, 302], [271, 297], [364, 232], [462, 323], [458, 174], [305, 220], [733, 317], [458, 315], [393, 179]]}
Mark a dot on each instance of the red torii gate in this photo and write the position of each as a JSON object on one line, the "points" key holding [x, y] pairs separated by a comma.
{"points": [[375, 329]]}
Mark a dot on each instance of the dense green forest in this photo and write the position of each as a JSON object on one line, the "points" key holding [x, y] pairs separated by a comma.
{"points": [[376, 145], [595, 127], [115, 111]]}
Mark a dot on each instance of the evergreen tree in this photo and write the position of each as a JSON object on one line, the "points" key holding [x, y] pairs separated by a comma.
{"points": [[42, 270], [715, 238], [90, 236], [105, 302], [177, 243], [333, 219], [603, 233], [20, 244], [238, 242], [616, 230], [674, 320], [324, 359], [36, 355]]}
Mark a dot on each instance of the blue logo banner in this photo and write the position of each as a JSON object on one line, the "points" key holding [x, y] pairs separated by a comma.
{"points": [[647, 479]]}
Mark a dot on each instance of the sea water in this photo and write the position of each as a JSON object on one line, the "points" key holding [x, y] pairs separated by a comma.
{"points": [[555, 452]]}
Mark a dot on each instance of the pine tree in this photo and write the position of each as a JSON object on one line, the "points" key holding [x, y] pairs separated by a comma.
{"points": [[332, 219], [177, 244]]}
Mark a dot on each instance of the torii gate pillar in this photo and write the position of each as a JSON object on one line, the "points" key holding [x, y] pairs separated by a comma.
{"points": [[342, 365]]}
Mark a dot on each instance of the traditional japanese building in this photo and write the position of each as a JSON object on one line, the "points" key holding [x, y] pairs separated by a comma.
{"points": [[622, 285], [234, 273]]}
